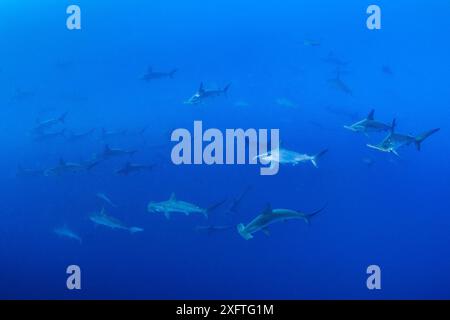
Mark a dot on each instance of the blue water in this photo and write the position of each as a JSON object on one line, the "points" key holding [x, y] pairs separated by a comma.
{"points": [[382, 209]]}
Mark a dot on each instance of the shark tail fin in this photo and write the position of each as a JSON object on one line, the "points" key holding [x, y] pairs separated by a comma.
{"points": [[243, 232], [393, 125], [136, 229], [201, 89], [172, 73], [227, 87], [420, 138], [62, 118], [317, 157], [308, 217], [215, 206]]}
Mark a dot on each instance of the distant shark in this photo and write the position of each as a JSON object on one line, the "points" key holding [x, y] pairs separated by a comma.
{"points": [[332, 59], [340, 85], [43, 125], [73, 137], [112, 133], [64, 167], [212, 229], [369, 124], [396, 140], [284, 156], [22, 172], [106, 199], [64, 231], [203, 94], [44, 136], [269, 216], [103, 219], [110, 152], [130, 168], [177, 206], [153, 75]]}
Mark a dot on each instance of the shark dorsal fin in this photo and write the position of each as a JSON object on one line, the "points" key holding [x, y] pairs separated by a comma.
{"points": [[149, 69], [393, 125], [173, 197], [371, 115], [107, 148], [268, 209], [61, 162], [201, 89]]}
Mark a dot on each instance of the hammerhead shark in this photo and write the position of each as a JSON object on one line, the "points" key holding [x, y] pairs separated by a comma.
{"points": [[153, 75], [109, 152], [65, 232], [131, 167], [269, 216], [105, 220], [203, 94], [339, 84], [396, 140], [369, 124], [64, 167], [285, 156], [43, 125], [173, 205]]}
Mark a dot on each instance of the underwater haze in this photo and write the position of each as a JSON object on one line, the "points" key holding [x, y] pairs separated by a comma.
{"points": [[86, 123]]}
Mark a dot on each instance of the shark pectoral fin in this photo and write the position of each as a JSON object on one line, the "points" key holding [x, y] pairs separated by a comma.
{"points": [[395, 152], [349, 128], [167, 214], [135, 229], [186, 213], [266, 231]]}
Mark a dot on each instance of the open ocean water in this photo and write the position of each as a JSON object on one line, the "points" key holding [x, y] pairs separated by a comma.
{"points": [[306, 68]]}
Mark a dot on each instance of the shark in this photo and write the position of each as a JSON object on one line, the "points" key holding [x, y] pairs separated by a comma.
{"points": [[203, 94], [44, 136], [21, 95], [73, 137], [43, 125], [285, 156], [396, 140], [95, 161], [369, 124], [101, 218], [110, 152], [106, 199], [212, 229], [340, 85], [64, 167], [65, 232], [173, 205], [154, 75], [269, 216], [311, 43], [131, 167], [24, 172], [332, 59], [112, 133]]}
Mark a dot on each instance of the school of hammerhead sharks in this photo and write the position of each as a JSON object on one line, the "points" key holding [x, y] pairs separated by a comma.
{"points": [[45, 130]]}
